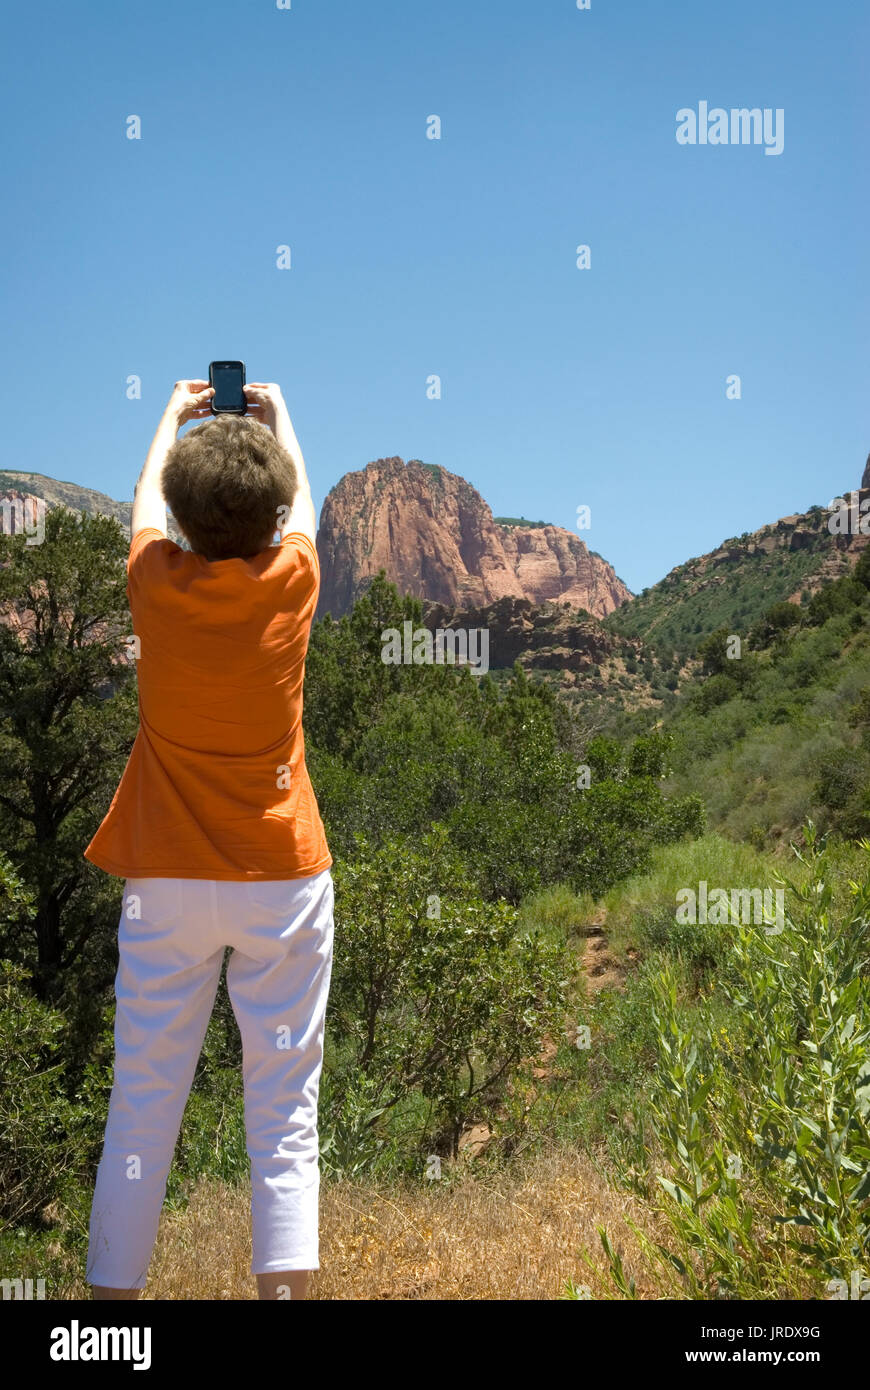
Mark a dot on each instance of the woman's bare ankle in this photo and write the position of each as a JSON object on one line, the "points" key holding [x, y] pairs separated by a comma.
{"points": [[289, 1283]]}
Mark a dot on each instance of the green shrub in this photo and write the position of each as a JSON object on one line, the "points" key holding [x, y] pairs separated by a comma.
{"points": [[842, 775], [433, 990], [765, 1135], [39, 1139], [715, 691]]}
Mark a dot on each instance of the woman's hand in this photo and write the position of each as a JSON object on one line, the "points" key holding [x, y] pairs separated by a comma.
{"points": [[266, 404], [189, 401]]}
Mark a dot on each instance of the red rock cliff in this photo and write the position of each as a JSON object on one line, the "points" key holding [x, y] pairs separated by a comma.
{"points": [[436, 538]]}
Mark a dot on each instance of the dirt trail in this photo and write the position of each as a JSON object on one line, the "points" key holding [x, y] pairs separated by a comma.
{"points": [[601, 969]]}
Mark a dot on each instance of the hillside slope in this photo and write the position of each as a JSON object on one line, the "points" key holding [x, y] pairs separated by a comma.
{"points": [[56, 493], [736, 583]]}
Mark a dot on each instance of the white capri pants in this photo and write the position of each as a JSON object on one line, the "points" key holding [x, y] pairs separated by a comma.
{"points": [[170, 958]]}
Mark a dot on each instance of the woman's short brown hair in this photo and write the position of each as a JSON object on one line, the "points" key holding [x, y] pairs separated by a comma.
{"points": [[224, 482]]}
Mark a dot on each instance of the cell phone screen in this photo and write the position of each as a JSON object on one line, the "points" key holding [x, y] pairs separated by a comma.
{"points": [[228, 393]]}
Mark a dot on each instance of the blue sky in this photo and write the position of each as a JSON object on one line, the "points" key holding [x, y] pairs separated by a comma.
{"points": [[413, 257]]}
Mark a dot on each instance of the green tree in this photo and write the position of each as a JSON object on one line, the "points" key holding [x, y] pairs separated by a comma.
{"points": [[346, 679], [777, 621], [67, 721]]}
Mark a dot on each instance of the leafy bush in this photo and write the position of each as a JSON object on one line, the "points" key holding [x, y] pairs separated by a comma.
{"points": [[765, 1136], [433, 989], [842, 775], [38, 1126]]}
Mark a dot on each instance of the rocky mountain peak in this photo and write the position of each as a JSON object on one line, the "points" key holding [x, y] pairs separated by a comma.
{"points": [[436, 538]]}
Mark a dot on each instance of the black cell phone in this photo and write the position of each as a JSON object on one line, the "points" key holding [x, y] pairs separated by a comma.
{"points": [[228, 379]]}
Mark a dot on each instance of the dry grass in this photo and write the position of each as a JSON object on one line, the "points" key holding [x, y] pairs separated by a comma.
{"points": [[477, 1237]]}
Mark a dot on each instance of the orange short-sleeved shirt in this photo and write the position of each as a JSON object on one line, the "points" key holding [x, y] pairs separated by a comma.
{"points": [[216, 784]]}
